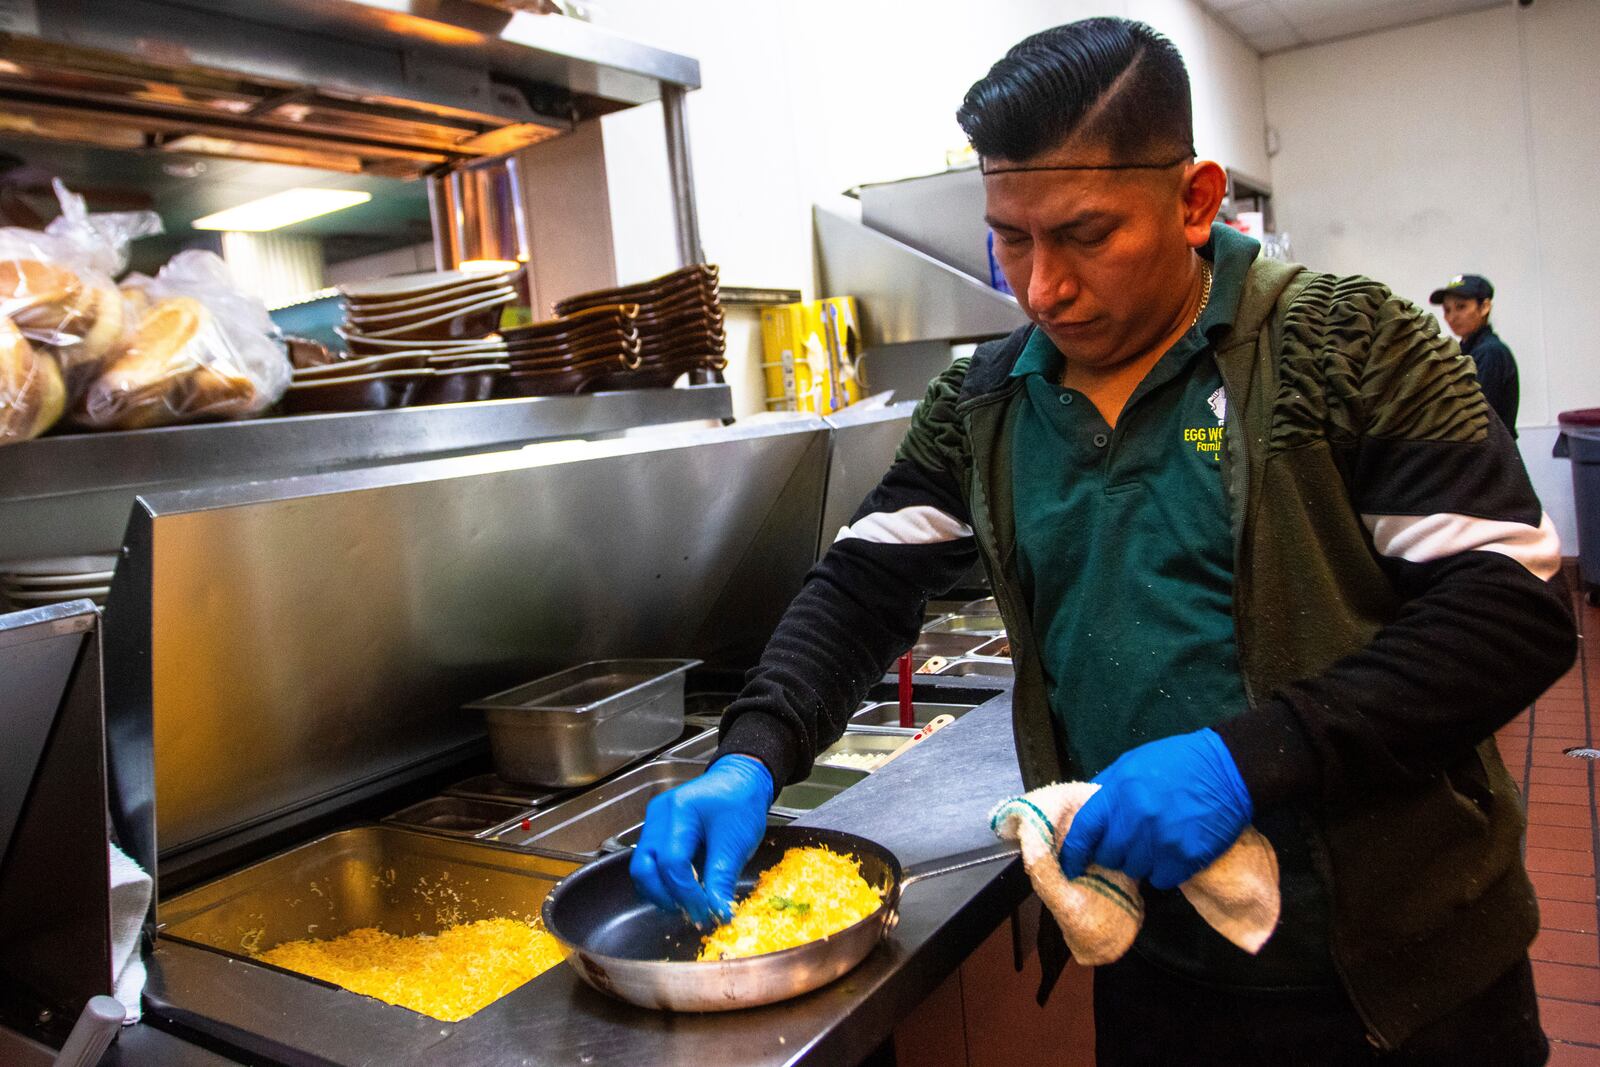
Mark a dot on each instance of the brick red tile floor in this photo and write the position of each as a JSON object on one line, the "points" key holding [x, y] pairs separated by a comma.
{"points": [[1561, 794]]}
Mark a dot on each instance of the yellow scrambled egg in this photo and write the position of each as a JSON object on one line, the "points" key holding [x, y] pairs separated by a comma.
{"points": [[810, 894], [448, 975]]}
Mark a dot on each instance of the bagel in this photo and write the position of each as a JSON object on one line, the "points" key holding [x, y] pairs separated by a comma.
{"points": [[44, 299], [32, 393], [165, 371]]}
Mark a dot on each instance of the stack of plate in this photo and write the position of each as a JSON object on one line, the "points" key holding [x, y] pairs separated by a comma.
{"points": [[447, 305], [566, 355], [36, 583], [414, 339], [680, 324]]}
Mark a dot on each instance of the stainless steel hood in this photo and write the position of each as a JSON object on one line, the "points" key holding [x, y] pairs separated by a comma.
{"points": [[906, 295], [394, 87]]}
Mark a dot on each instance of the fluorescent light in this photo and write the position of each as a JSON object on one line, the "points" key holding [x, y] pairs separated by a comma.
{"points": [[281, 209]]}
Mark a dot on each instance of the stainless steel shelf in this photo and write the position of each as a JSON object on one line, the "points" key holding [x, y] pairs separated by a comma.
{"points": [[397, 87], [72, 494]]}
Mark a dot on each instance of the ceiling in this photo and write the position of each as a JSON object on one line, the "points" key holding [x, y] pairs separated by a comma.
{"points": [[1278, 25], [181, 189]]}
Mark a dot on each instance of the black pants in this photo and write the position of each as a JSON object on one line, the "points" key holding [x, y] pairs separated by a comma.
{"points": [[1145, 1016]]}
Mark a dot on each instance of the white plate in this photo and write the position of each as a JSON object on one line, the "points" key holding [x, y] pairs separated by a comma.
{"points": [[56, 596], [59, 566], [51, 581], [425, 309], [404, 285]]}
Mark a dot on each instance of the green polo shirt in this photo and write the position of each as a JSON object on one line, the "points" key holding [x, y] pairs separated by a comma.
{"points": [[1123, 539], [1125, 551]]}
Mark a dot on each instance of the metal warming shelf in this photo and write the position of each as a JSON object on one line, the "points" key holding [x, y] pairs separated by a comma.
{"points": [[398, 88], [72, 493]]}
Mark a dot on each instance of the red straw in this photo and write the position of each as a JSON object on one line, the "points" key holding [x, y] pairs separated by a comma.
{"points": [[907, 716]]}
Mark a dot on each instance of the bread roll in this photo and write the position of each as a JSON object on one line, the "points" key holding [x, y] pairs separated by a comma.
{"points": [[32, 394]]}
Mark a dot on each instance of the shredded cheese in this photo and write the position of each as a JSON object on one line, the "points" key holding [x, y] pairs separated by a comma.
{"points": [[810, 894], [860, 761], [449, 975]]}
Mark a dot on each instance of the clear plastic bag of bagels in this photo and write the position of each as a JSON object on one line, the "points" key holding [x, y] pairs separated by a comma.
{"points": [[57, 285], [197, 346]]}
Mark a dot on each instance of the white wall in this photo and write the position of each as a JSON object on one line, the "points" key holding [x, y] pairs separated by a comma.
{"points": [[1463, 144], [802, 100]]}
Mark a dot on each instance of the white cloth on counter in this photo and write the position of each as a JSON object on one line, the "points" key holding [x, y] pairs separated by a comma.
{"points": [[130, 902], [1100, 913]]}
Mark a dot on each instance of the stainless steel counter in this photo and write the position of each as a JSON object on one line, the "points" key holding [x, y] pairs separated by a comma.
{"points": [[72, 493], [909, 806]]}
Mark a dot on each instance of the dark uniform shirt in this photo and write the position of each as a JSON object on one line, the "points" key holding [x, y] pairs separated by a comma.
{"points": [[1497, 373], [1125, 551]]}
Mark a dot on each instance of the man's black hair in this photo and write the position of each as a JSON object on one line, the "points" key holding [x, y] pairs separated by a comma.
{"points": [[1112, 82]]}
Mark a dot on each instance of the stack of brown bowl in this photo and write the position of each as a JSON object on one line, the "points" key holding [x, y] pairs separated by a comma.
{"points": [[414, 339], [680, 323], [448, 306], [566, 355]]}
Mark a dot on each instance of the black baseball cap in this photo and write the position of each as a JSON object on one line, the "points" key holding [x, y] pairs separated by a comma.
{"points": [[1471, 286]]}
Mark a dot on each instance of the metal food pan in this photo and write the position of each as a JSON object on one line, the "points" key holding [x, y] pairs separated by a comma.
{"points": [[987, 606], [989, 625], [947, 645], [493, 787], [577, 726], [999, 648], [824, 784], [400, 881], [581, 826], [991, 668], [861, 744], [698, 749], [887, 714], [708, 705], [930, 687], [458, 816], [630, 837]]}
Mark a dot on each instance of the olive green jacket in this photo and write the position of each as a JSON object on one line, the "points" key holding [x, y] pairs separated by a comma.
{"points": [[1333, 386]]}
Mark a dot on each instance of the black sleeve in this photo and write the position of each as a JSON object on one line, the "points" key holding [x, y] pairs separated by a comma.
{"points": [[861, 605], [1485, 625]]}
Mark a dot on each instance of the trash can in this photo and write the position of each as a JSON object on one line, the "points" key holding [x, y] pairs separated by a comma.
{"points": [[1579, 441]]}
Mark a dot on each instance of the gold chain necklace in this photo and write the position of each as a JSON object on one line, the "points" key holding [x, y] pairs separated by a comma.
{"points": [[1205, 295]]}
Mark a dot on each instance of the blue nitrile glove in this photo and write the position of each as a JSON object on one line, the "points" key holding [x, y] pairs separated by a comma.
{"points": [[1163, 811], [716, 820]]}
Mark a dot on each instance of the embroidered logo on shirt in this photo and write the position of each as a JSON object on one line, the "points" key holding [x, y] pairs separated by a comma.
{"points": [[1207, 440]]}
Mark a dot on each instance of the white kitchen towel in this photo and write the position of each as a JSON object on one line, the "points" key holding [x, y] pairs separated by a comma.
{"points": [[1100, 913], [130, 901]]}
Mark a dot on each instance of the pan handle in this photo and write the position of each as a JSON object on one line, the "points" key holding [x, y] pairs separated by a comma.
{"points": [[959, 862]]}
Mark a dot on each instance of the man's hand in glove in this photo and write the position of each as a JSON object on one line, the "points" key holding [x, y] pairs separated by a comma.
{"points": [[1163, 812], [715, 821]]}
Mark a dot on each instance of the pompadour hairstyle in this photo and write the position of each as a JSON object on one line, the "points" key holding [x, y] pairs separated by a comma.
{"points": [[1111, 82]]}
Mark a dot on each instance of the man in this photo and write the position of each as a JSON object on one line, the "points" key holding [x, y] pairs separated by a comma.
{"points": [[1467, 302], [1311, 621]]}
